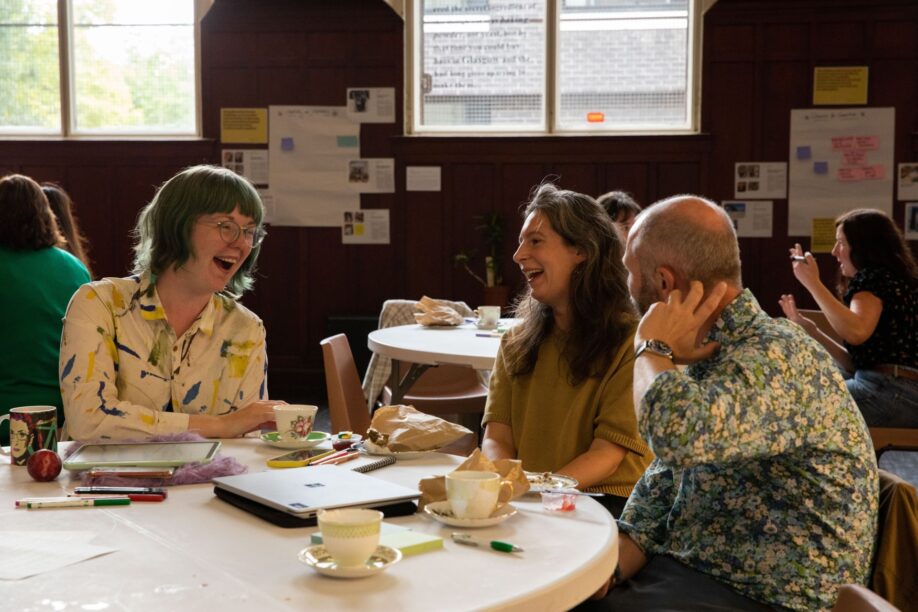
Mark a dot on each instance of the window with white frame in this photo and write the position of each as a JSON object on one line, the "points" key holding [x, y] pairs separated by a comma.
{"points": [[99, 67], [553, 66]]}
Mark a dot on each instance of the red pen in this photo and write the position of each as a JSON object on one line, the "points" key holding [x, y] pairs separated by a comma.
{"points": [[134, 497]]}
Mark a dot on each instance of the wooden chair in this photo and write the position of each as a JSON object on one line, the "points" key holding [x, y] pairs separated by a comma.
{"points": [[893, 437], [347, 404], [856, 598], [821, 322]]}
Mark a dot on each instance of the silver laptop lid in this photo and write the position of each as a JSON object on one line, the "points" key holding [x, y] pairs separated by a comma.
{"points": [[303, 491]]}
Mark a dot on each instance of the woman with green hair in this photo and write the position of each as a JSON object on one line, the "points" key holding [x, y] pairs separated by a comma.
{"points": [[170, 349]]}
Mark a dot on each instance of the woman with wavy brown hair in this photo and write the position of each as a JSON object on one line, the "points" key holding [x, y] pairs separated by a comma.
{"points": [[877, 316], [62, 207], [560, 394], [38, 280]]}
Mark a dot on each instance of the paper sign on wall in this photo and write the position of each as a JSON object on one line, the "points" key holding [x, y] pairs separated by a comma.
{"points": [[368, 226], [244, 125], [751, 219], [822, 236], [911, 220], [908, 181], [250, 163], [760, 180], [422, 178], [371, 175], [371, 104], [839, 85]]}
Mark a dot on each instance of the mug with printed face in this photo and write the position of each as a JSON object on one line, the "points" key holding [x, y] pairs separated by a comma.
{"points": [[32, 428], [294, 421], [488, 316]]}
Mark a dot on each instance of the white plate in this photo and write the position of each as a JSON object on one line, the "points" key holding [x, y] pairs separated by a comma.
{"points": [[441, 511], [313, 439], [369, 448], [541, 481], [318, 558]]}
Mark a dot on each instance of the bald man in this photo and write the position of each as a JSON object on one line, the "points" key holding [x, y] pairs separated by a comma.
{"points": [[763, 493]]}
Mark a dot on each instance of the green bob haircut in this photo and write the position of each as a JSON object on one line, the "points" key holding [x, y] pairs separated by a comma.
{"points": [[163, 231]]}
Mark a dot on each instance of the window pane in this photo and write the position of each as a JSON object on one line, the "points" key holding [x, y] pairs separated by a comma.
{"points": [[133, 66], [30, 101], [482, 64], [623, 64]]}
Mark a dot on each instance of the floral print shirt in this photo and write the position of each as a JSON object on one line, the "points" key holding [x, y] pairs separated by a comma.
{"points": [[124, 374], [765, 478]]}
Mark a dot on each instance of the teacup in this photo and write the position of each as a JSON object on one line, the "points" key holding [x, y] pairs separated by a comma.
{"points": [[294, 421], [474, 494], [488, 316], [32, 428], [350, 535]]}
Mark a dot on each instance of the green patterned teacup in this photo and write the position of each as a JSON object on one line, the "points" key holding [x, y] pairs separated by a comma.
{"points": [[350, 534]]}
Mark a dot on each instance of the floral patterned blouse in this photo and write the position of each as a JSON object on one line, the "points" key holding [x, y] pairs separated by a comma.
{"points": [[765, 478], [124, 374], [895, 340]]}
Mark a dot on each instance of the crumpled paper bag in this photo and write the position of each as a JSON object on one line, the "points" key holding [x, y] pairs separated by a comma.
{"points": [[435, 312], [433, 489], [403, 428]]}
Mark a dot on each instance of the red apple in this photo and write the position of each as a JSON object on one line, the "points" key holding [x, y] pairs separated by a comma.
{"points": [[44, 465]]}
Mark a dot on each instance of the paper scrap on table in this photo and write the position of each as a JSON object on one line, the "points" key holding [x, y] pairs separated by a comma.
{"points": [[29, 553]]}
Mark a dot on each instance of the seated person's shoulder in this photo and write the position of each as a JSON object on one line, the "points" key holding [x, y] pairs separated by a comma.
{"points": [[236, 311]]}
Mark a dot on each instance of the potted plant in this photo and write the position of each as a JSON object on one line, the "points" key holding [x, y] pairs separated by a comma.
{"points": [[491, 229]]}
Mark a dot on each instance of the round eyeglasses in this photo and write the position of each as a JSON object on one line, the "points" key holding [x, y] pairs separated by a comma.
{"points": [[230, 231]]}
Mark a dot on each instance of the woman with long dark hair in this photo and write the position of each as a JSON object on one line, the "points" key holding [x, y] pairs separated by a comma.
{"points": [[560, 396], [62, 207], [877, 316]]}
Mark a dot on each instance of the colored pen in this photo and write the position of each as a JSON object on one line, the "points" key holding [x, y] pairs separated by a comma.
{"points": [[71, 502], [134, 497], [797, 258], [341, 459], [507, 547]]}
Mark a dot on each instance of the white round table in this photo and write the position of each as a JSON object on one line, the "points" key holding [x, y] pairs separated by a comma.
{"points": [[195, 552]]}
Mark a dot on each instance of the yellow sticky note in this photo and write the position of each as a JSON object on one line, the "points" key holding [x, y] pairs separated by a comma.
{"points": [[823, 236], [840, 85], [245, 125]]}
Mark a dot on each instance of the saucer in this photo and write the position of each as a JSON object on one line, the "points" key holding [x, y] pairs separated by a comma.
{"points": [[441, 511], [542, 481], [313, 439], [318, 558]]}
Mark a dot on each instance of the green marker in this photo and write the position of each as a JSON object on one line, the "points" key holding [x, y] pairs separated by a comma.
{"points": [[507, 547]]}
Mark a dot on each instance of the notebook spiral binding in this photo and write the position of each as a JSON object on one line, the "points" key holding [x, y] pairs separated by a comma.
{"points": [[369, 467]]}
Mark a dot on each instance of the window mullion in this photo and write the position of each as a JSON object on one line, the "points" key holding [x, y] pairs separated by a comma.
{"points": [[551, 63], [63, 46]]}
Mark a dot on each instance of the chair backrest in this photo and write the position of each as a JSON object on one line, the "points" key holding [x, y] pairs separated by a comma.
{"points": [[855, 598], [444, 380], [817, 317], [346, 403]]}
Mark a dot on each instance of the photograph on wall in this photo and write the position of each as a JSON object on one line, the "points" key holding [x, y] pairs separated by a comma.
{"points": [[840, 158], [371, 104], [760, 180], [751, 218], [908, 181]]}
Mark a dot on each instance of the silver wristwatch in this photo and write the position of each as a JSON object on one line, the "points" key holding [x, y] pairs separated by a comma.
{"points": [[657, 347]]}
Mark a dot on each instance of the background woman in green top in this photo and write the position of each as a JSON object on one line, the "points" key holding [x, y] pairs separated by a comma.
{"points": [[37, 279], [560, 395]]}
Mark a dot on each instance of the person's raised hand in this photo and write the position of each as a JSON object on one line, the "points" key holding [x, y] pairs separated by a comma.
{"points": [[677, 322], [806, 270], [789, 306], [257, 415]]}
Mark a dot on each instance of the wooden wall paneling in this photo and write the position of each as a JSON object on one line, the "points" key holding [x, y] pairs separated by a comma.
{"points": [[678, 177], [515, 184], [226, 88], [785, 41], [632, 178], [90, 188], [729, 117], [282, 85], [473, 193], [841, 41], [423, 224], [729, 42], [894, 39], [581, 177]]}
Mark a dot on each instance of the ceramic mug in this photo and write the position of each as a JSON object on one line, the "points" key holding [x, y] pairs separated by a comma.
{"points": [[488, 316], [32, 428], [474, 494], [350, 535], [294, 421]]}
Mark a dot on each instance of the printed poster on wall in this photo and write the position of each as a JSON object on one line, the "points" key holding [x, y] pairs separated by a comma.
{"points": [[760, 180], [840, 158], [310, 147], [908, 182], [911, 220], [368, 226], [371, 175], [751, 219], [371, 104], [250, 163]]}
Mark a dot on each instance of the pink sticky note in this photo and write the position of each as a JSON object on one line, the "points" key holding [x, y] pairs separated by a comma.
{"points": [[874, 173], [850, 174], [854, 157], [840, 143], [870, 143]]}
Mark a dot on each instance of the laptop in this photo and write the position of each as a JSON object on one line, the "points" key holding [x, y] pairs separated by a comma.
{"points": [[304, 491]]}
